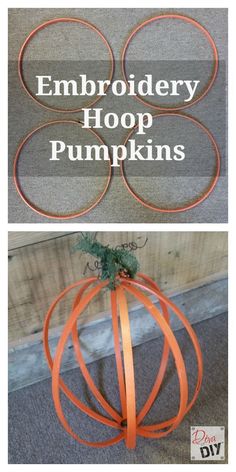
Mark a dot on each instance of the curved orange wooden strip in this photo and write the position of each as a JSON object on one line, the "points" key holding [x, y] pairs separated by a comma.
{"points": [[70, 395], [56, 369], [128, 368], [179, 362], [147, 430], [164, 359], [76, 343], [119, 364]]}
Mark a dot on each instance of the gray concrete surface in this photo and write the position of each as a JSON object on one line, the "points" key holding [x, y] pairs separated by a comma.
{"points": [[66, 193]]}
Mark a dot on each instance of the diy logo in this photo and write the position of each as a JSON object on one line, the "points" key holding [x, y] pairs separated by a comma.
{"points": [[207, 443]]}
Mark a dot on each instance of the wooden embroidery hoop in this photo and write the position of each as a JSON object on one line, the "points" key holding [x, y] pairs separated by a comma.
{"points": [[199, 199], [26, 43], [32, 205], [187, 20]]}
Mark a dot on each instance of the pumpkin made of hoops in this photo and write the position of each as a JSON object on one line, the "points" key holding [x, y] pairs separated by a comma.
{"points": [[120, 275]]}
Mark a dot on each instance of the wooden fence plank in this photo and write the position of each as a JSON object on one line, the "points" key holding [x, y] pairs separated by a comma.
{"points": [[38, 271]]}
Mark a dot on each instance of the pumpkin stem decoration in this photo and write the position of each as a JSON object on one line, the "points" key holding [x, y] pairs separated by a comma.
{"points": [[114, 261], [119, 267]]}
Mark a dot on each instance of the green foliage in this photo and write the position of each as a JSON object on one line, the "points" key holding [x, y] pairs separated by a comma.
{"points": [[114, 262]]}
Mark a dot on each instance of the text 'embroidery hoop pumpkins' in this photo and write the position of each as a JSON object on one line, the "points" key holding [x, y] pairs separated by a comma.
{"points": [[119, 273]]}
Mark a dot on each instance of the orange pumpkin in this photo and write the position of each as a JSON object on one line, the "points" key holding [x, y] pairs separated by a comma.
{"points": [[128, 423]]}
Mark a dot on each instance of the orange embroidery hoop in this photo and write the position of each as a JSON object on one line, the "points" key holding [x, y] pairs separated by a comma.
{"points": [[32, 205], [33, 33], [198, 200], [187, 20], [126, 381]]}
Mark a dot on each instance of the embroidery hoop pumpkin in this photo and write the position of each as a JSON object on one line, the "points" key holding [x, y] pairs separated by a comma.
{"points": [[128, 422]]}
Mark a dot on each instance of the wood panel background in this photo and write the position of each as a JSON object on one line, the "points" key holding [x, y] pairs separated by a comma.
{"points": [[41, 264]]}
